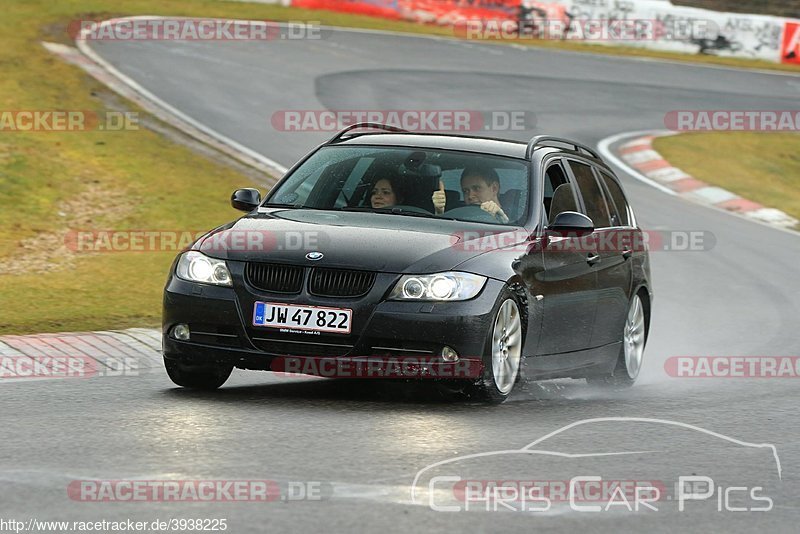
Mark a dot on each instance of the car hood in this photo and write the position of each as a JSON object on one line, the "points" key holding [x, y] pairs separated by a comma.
{"points": [[365, 241]]}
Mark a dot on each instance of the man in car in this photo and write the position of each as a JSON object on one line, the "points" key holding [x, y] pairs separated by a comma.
{"points": [[480, 185]]}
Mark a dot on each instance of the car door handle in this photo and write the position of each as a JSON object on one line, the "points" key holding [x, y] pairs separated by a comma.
{"points": [[627, 254], [591, 259]]}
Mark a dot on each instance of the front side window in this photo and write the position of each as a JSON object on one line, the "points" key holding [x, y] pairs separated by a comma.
{"points": [[408, 181], [558, 196]]}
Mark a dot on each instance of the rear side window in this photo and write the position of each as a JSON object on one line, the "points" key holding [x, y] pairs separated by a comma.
{"points": [[596, 207], [618, 197]]}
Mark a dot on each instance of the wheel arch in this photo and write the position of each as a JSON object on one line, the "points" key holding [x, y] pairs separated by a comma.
{"points": [[524, 302], [646, 297]]}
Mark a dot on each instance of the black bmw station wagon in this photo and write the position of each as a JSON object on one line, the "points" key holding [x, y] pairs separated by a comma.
{"points": [[474, 259]]}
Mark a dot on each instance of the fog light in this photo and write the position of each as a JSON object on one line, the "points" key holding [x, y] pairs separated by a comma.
{"points": [[181, 332], [449, 355]]}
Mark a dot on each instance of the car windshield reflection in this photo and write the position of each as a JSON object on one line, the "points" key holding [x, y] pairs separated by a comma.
{"points": [[436, 184]]}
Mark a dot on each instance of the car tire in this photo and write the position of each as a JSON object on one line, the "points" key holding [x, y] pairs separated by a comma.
{"points": [[503, 351], [203, 377], [631, 354]]}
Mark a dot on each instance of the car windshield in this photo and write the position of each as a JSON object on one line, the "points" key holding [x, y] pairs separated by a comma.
{"points": [[409, 181]]}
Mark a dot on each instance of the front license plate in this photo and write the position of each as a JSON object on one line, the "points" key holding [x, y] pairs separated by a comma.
{"points": [[313, 318]]}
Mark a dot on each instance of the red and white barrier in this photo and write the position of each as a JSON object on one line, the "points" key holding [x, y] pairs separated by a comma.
{"points": [[659, 24]]}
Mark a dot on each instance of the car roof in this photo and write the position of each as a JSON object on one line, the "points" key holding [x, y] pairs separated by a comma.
{"points": [[483, 145]]}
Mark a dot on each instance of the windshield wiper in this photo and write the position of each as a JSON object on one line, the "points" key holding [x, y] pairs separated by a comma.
{"points": [[280, 205], [356, 208], [398, 211]]}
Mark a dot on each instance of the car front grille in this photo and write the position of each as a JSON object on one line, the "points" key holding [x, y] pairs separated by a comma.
{"points": [[275, 278], [340, 283]]}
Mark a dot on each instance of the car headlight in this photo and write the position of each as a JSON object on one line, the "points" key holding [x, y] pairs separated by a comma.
{"points": [[196, 267], [440, 286]]}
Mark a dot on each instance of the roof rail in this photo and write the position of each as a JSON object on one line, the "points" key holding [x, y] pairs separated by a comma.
{"points": [[543, 141], [373, 125]]}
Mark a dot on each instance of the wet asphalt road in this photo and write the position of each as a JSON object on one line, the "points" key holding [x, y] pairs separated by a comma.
{"points": [[363, 443]]}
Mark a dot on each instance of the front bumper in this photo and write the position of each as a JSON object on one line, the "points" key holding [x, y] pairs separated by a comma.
{"points": [[219, 319]]}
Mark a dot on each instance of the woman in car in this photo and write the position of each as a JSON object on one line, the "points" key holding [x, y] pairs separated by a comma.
{"points": [[386, 193]]}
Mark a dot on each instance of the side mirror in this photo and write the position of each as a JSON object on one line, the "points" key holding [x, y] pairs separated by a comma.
{"points": [[246, 199], [572, 222]]}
